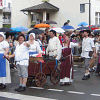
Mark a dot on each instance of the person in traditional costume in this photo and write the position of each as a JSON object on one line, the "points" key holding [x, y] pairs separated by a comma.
{"points": [[87, 46], [4, 65], [66, 72], [21, 55], [98, 52], [54, 48], [34, 48]]}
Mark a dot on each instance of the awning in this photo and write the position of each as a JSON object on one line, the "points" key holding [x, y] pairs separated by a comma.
{"points": [[41, 7]]}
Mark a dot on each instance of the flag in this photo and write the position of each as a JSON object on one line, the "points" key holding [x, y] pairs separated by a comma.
{"points": [[1, 4]]}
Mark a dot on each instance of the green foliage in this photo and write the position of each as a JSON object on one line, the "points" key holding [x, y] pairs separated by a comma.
{"points": [[7, 26]]}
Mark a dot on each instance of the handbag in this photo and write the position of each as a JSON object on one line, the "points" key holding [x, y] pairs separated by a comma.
{"points": [[90, 53]]}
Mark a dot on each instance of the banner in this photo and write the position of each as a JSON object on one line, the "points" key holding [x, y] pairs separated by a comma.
{"points": [[1, 3]]}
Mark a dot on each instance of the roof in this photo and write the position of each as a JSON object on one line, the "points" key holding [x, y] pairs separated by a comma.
{"points": [[42, 7]]}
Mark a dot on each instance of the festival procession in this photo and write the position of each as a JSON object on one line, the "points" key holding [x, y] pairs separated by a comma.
{"points": [[43, 57]]}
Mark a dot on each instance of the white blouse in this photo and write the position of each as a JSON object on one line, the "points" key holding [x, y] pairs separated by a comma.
{"points": [[35, 47], [3, 45]]}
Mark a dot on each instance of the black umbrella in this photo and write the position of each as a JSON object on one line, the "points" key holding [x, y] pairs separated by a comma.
{"points": [[49, 22], [5, 29], [83, 28], [36, 31]]}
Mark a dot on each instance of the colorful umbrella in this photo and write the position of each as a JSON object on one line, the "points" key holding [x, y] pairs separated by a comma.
{"points": [[5, 29], [36, 31], [15, 30], [58, 30], [83, 28], [82, 24], [23, 29], [49, 22], [67, 27], [42, 25]]}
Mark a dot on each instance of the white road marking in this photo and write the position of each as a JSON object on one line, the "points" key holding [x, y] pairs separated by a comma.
{"points": [[75, 65], [36, 87], [55, 90], [75, 70], [22, 97], [95, 95], [76, 92]]}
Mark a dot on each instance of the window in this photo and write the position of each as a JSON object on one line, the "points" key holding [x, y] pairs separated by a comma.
{"points": [[97, 18], [82, 8], [34, 17], [47, 16]]}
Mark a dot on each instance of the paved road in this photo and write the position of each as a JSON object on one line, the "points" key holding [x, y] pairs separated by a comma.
{"points": [[78, 90]]}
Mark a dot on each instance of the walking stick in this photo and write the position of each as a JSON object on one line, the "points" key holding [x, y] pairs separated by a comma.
{"points": [[10, 62]]}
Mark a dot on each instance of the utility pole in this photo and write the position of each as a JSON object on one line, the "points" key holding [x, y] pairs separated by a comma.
{"points": [[89, 14]]}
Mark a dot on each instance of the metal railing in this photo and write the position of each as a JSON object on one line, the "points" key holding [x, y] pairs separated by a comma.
{"points": [[8, 21], [7, 9]]}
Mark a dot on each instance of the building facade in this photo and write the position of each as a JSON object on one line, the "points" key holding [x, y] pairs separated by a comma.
{"points": [[74, 10], [5, 13]]}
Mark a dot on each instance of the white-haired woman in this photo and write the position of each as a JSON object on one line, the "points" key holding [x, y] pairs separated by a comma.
{"points": [[34, 49], [4, 65]]}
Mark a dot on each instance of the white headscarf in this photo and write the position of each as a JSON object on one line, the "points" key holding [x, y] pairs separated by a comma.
{"points": [[33, 35], [1, 33]]}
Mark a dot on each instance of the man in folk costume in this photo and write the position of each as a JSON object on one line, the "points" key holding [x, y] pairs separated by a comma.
{"points": [[54, 47], [21, 55], [4, 47], [87, 46]]}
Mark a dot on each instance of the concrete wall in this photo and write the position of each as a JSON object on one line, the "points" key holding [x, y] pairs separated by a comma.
{"points": [[68, 9], [18, 17]]}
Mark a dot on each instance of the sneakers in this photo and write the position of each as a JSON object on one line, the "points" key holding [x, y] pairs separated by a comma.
{"points": [[85, 77]]}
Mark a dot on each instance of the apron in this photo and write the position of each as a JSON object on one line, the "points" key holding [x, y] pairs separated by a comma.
{"points": [[2, 63]]}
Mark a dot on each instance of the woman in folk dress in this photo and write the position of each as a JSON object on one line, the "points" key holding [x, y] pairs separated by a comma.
{"points": [[66, 75], [4, 64], [34, 49]]}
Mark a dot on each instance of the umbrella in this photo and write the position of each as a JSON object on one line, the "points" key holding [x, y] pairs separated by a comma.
{"points": [[49, 22], [42, 25], [36, 31], [95, 26], [58, 30], [5, 29], [15, 30], [97, 31], [83, 28], [67, 27], [23, 29], [82, 24]]}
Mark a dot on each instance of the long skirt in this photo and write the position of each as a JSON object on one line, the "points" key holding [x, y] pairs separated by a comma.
{"points": [[2, 66], [7, 78], [66, 74]]}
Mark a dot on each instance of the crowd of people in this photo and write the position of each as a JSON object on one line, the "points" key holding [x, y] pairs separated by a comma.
{"points": [[81, 43]]}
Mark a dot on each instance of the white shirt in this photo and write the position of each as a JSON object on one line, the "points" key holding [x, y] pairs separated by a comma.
{"points": [[35, 47], [22, 54], [54, 48], [87, 45], [3, 45]]}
